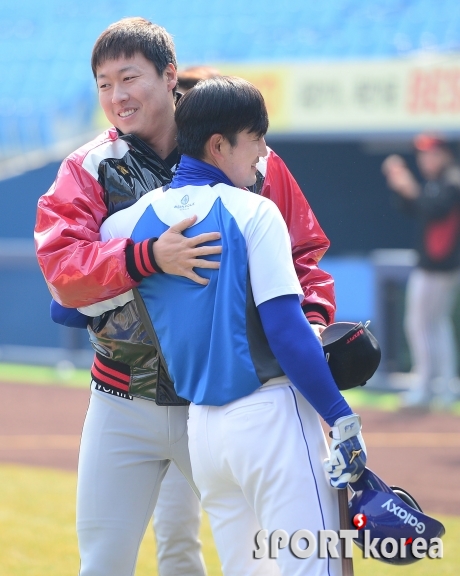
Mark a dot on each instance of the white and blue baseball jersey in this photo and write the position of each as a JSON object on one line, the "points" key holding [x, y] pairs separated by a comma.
{"points": [[211, 336]]}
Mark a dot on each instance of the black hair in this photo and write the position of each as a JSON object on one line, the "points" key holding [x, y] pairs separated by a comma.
{"points": [[130, 36], [223, 105], [189, 77]]}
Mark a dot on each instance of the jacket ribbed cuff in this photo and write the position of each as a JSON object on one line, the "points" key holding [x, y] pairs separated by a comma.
{"points": [[316, 314], [140, 261]]}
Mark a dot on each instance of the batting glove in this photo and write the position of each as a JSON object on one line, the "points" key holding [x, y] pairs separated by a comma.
{"points": [[348, 454]]}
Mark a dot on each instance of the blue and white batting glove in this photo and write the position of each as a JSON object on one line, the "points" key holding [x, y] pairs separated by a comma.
{"points": [[348, 454]]}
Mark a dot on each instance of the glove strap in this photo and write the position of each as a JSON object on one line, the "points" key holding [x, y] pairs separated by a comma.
{"points": [[346, 427]]}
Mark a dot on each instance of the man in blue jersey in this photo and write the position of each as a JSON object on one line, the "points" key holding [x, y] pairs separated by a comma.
{"points": [[240, 348]]}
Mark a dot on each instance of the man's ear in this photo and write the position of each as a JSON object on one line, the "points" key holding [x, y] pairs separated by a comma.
{"points": [[170, 74], [215, 146]]}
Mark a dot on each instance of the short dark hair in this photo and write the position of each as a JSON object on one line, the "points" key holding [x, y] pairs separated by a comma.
{"points": [[223, 105], [130, 36], [189, 77]]}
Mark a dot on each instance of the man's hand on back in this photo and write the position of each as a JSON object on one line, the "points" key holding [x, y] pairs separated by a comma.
{"points": [[176, 254]]}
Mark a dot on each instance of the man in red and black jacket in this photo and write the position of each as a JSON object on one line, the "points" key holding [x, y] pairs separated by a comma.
{"points": [[110, 173]]}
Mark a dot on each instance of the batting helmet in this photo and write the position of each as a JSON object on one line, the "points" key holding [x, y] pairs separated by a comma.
{"points": [[391, 515], [352, 352]]}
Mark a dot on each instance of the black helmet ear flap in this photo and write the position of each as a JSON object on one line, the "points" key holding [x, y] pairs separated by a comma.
{"points": [[352, 352]]}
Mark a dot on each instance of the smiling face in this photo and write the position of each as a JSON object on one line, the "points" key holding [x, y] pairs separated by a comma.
{"points": [[135, 98], [238, 162]]}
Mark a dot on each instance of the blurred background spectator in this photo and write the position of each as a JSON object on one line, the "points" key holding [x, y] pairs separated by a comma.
{"points": [[432, 284], [346, 84]]}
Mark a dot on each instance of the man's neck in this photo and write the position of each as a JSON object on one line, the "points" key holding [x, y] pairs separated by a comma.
{"points": [[164, 142]]}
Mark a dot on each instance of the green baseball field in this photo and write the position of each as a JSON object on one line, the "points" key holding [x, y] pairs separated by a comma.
{"points": [[41, 414]]}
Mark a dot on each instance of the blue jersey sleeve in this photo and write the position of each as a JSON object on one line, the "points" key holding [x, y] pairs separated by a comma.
{"points": [[70, 317], [301, 356]]}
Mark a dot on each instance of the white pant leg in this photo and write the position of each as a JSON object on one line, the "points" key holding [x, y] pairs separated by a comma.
{"points": [[176, 523], [125, 451], [233, 521], [418, 330], [429, 328], [446, 356], [269, 447]]}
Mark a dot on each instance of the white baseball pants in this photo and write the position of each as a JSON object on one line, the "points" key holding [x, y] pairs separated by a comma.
{"points": [[126, 448], [176, 524], [258, 464], [430, 299]]}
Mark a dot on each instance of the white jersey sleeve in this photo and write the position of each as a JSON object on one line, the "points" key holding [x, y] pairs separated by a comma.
{"points": [[269, 254]]}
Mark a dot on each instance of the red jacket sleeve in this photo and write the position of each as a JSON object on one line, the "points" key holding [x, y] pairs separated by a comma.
{"points": [[309, 243], [78, 268]]}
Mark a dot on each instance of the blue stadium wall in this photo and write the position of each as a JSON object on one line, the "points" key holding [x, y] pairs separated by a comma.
{"points": [[25, 319]]}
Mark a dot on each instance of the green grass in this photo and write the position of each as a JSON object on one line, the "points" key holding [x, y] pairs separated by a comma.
{"points": [[37, 532], [377, 400], [361, 398], [37, 526], [62, 375]]}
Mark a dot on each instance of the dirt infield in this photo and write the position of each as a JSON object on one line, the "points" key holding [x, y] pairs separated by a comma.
{"points": [[34, 419], [41, 426]]}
